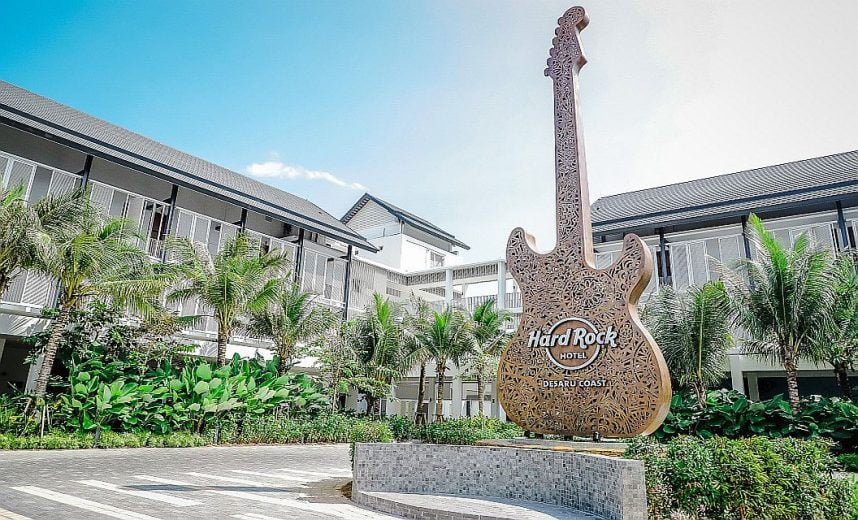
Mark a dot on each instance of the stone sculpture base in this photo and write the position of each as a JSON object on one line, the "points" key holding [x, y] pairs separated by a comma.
{"points": [[433, 480]]}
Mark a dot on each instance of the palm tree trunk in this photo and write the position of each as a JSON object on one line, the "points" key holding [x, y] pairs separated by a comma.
{"points": [[421, 393], [222, 340], [481, 390], [842, 373], [791, 368], [5, 280], [284, 351], [58, 328], [440, 369]]}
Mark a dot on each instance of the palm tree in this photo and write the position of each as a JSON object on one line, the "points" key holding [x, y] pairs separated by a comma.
{"points": [[838, 343], [489, 339], [693, 331], [240, 279], [380, 346], [28, 231], [448, 338], [293, 318], [100, 260], [783, 297], [415, 321]]}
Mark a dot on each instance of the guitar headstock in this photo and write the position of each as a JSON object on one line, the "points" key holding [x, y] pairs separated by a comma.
{"points": [[566, 55]]}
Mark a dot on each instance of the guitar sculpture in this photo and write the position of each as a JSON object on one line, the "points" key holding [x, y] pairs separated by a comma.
{"points": [[581, 362]]}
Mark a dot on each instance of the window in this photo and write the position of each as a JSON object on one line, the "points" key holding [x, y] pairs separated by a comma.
{"points": [[436, 259]]}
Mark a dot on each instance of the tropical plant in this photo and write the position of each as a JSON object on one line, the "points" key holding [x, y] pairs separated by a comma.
{"points": [[783, 298], [489, 339], [378, 342], [692, 329], [28, 231], [416, 318], [338, 361], [837, 343], [238, 280], [291, 319], [99, 260], [723, 479], [447, 337]]}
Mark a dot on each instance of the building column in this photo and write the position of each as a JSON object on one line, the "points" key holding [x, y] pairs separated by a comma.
{"points": [[662, 249], [32, 375], [736, 380], [841, 223], [84, 174], [299, 257], [347, 283], [448, 288], [431, 385], [501, 301], [456, 397], [753, 387], [171, 219], [745, 239], [2, 347], [242, 223]]}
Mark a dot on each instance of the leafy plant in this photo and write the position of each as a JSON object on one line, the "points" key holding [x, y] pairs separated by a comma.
{"points": [[98, 260], [489, 339], [293, 318], [729, 413], [469, 430], [238, 280], [783, 298], [447, 337], [721, 478], [692, 329]]}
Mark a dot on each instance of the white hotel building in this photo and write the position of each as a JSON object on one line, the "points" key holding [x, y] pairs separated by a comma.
{"points": [[378, 247]]}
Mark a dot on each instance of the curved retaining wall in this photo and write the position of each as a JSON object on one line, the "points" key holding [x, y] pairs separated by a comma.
{"points": [[610, 487]]}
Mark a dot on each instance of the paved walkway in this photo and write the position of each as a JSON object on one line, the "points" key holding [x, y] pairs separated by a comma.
{"points": [[244, 483]]}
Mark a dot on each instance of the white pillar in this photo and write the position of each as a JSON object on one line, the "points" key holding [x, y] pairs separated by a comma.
{"points": [[736, 373], [448, 288], [456, 397], [753, 387], [2, 347], [501, 301], [33, 374], [433, 390]]}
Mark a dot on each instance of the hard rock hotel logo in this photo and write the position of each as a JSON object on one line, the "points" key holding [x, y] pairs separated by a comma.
{"points": [[573, 343]]}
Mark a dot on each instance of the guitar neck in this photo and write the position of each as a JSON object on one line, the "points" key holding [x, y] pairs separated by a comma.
{"points": [[573, 201]]}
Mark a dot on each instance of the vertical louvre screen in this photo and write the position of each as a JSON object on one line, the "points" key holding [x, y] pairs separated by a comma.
{"points": [[20, 175], [101, 196], [62, 183], [679, 266], [15, 290]]}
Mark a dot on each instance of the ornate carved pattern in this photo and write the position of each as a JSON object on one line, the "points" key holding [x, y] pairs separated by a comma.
{"points": [[564, 283]]}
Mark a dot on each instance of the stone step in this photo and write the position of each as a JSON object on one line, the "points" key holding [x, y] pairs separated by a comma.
{"points": [[460, 507]]}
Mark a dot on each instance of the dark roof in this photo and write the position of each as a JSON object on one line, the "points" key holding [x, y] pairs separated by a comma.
{"points": [[405, 216], [25, 110], [795, 183]]}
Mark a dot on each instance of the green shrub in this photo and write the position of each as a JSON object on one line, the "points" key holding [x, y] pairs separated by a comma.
{"points": [[403, 428], [849, 461], [730, 414], [268, 429], [853, 499], [469, 430], [720, 478], [107, 439]]}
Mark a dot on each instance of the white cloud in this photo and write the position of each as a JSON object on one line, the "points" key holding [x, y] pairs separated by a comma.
{"points": [[280, 170]]}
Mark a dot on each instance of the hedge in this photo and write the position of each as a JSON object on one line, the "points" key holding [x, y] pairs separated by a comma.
{"points": [[760, 478]]}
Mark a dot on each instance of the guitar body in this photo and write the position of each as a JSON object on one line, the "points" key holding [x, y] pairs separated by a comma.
{"points": [[581, 362]]}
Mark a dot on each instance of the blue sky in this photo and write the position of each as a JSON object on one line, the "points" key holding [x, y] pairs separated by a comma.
{"points": [[441, 107]]}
